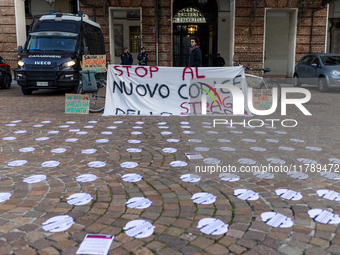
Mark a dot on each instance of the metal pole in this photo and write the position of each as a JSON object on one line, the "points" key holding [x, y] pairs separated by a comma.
{"points": [[311, 29], [156, 26]]}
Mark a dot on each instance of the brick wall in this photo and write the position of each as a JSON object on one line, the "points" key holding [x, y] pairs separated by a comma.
{"points": [[8, 39]]}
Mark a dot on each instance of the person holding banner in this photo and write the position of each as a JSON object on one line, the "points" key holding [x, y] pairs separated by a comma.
{"points": [[143, 58], [196, 55], [126, 57]]}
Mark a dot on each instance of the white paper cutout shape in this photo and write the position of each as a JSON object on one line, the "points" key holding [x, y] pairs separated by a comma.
{"points": [[284, 148], [272, 140], [134, 141], [260, 132], [58, 223], [102, 140], [249, 140], [223, 140], [64, 126], [212, 132], [17, 163], [276, 161], [207, 127], [137, 127], [195, 140], [178, 163], [173, 140], [169, 150], [276, 220], [88, 126], [237, 132], [312, 148], [162, 123], [4, 196], [112, 127], [164, 127], [82, 133], [201, 149], [190, 178], [288, 194], [280, 132], [133, 150], [211, 161], [79, 199], [166, 133], [136, 133], [42, 138], [88, 151], [70, 122], [139, 122], [35, 178], [15, 121], [264, 175], [298, 175], [246, 194], [330, 175], [258, 149], [92, 122], [184, 123], [229, 177], [10, 125], [329, 194], [185, 126], [307, 161], [118, 122], [187, 132], [132, 177], [212, 226], [58, 150], [27, 149], [51, 163], [71, 140], [139, 228], [74, 130], [53, 132], [203, 198], [96, 164], [297, 140], [271, 127], [324, 216], [193, 155], [20, 132], [38, 125], [86, 178], [9, 138], [334, 160], [129, 164], [227, 149], [246, 161], [106, 133], [138, 203]]}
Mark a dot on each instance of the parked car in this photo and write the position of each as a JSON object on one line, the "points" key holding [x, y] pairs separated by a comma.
{"points": [[5, 74], [322, 69]]}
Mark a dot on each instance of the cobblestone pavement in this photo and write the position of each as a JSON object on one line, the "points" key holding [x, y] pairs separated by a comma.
{"points": [[172, 212]]}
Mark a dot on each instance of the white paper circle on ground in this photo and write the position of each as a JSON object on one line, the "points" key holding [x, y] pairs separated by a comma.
{"points": [[53, 132], [330, 175], [133, 150], [203, 198], [134, 141], [132, 177], [195, 140], [4, 196], [106, 133], [136, 133], [169, 150], [17, 163], [89, 151], [137, 127], [212, 226], [20, 132], [139, 122], [207, 126], [223, 140], [92, 122], [237, 132], [79, 199], [258, 149], [58, 223], [102, 141], [50, 163], [284, 148], [264, 175], [129, 165], [71, 140], [272, 140], [166, 133], [212, 132], [324, 216], [178, 163], [260, 132], [112, 127], [10, 125], [9, 138], [39, 125], [227, 149], [162, 123], [64, 126], [298, 175], [96, 164], [173, 140], [187, 132], [184, 123], [74, 130], [276, 220], [165, 127], [230, 127], [190, 178], [70, 122], [297, 140], [82, 133], [118, 122], [307, 161], [86, 178], [42, 138], [276, 161], [229, 177], [138, 203], [312, 148], [247, 161], [185, 126], [88, 126], [139, 229], [249, 140], [58, 150], [27, 149], [246, 194], [329, 194], [288, 194], [15, 121], [211, 161], [35, 178], [280, 132], [334, 160], [270, 127], [201, 149]]}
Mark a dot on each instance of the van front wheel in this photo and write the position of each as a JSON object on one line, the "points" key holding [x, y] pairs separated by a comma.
{"points": [[26, 91]]}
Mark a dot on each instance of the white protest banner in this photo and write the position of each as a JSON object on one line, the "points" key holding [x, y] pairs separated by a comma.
{"points": [[152, 90]]}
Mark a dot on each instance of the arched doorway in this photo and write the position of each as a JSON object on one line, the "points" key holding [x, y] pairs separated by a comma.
{"points": [[194, 17]]}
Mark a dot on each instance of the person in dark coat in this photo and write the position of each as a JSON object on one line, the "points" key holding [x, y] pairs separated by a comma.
{"points": [[219, 61], [143, 58], [196, 55], [205, 62], [126, 57]]}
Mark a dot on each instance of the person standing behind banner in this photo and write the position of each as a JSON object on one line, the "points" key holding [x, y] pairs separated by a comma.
{"points": [[219, 61], [143, 58], [196, 55], [126, 57]]}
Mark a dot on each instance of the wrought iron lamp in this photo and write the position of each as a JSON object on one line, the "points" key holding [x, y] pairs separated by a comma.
{"points": [[191, 29], [50, 2]]}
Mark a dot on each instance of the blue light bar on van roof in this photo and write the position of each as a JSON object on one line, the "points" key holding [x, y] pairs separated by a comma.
{"points": [[51, 12], [80, 13]]}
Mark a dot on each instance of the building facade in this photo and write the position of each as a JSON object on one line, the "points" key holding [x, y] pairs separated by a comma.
{"points": [[257, 33]]}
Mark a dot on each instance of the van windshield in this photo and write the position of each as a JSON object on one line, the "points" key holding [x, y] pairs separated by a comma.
{"points": [[45, 42]]}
